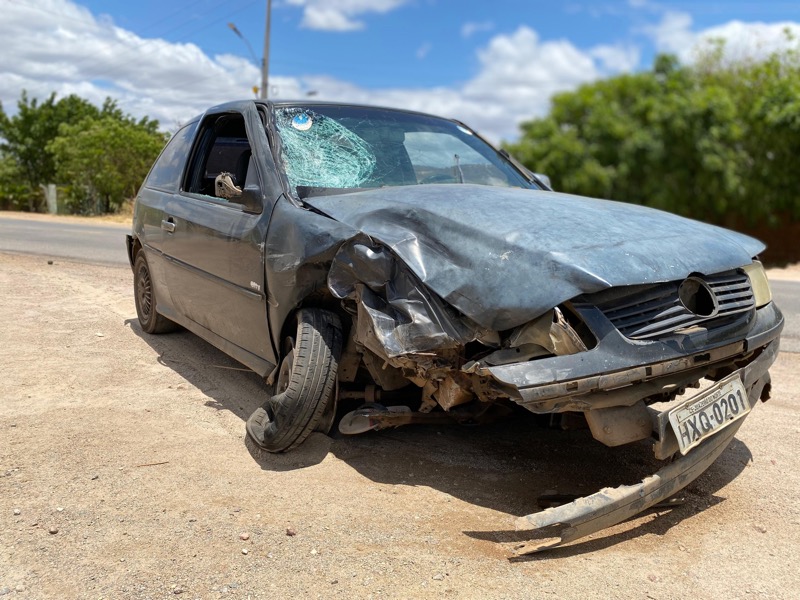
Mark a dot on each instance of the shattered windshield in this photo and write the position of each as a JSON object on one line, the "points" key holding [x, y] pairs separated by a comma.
{"points": [[325, 148]]}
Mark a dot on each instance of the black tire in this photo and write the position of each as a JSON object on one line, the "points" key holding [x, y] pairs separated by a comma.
{"points": [[305, 388], [145, 297]]}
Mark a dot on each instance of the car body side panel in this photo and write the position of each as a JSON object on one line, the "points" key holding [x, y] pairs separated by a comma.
{"points": [[402, 315], [150, 207], [214, 259], [214, 265], [300, 245]]}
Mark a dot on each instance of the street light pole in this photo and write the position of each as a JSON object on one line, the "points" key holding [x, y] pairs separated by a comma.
{"points": [[265, 59], [234, 29]]}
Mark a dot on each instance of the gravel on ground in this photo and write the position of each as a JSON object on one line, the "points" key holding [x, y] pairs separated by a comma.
{"points": [[124, 473]]}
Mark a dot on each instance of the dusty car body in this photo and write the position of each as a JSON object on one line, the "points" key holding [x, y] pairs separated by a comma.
{"points": [[348, 253]]}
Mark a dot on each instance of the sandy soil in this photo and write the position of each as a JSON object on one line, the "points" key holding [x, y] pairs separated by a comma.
{"points": [[124, 473], [122, 218], [787, 273]]}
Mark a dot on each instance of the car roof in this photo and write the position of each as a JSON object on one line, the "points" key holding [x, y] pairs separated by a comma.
{"points": [[239, 104]]}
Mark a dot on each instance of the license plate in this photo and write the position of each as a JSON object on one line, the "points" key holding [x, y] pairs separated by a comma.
{"points": [[706, 413]]}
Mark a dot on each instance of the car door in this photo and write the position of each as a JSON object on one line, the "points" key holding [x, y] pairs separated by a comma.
{"points": [[214, 244]]}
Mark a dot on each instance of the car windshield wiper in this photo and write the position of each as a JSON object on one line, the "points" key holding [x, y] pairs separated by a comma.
{"points": [[457, 159]]}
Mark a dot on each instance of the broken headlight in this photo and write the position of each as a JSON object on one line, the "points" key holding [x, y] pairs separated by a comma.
{"points": [[758, 280]]}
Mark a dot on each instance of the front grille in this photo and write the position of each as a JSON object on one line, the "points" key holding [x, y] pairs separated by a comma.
{"points": [[656, 310]]}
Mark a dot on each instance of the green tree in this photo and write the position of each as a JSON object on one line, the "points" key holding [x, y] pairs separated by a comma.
{"points": [[26, 134], [28, 150], [716, 140], [15, 194], [106, 158]]}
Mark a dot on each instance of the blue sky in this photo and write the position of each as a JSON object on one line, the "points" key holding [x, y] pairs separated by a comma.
{"points": [[490, 63]]}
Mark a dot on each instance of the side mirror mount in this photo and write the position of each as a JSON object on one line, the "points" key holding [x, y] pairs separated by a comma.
{"points": [[544, 179], [252, 199]]}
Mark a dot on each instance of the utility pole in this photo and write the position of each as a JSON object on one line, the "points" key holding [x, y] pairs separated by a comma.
{"points": [[265, 56]]}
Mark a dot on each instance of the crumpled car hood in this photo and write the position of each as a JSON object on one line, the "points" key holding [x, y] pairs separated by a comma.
{"points": [[503, 256]]}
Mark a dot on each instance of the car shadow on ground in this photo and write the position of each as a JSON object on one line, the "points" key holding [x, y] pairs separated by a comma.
{"points": [[504, 466], [228, 386], [507, 466]]}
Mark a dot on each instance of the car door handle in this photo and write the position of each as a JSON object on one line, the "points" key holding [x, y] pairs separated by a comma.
{"points": [[168, 225]]}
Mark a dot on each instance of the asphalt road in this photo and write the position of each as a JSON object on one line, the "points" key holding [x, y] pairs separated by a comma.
{"points": [[97, 243], [787, 296], [104, 243]]}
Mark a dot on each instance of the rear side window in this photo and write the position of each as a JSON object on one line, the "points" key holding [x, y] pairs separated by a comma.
{"points": [[166, 172]]}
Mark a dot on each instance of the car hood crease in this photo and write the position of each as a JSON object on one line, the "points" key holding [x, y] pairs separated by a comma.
{"points": [[503, 256]]}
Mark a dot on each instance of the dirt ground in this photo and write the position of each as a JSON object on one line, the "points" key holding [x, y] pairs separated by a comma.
{"points": [[124, 473]]}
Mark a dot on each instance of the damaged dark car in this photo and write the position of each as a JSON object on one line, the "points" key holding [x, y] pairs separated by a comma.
{"points": [[397, 264]]}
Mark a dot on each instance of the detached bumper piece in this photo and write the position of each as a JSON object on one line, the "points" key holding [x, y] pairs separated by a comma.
{"points": [[563, 524]]}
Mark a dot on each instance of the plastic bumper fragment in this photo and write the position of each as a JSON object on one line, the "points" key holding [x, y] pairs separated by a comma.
{"points": [[569, 522], [563, 524]]}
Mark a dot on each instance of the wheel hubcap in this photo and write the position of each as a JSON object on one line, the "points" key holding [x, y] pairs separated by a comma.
{"points": [[145, 294], [287, 364]]}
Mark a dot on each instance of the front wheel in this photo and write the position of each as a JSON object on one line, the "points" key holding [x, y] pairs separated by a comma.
{"points": [[305, 388]]}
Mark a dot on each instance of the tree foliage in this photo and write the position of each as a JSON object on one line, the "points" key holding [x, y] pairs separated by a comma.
{"points": [[107, 158], [716, 140], [14, 192], [27, 133], [97, 155]]}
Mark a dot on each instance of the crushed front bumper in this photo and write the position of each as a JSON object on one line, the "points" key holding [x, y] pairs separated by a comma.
{"points": [[567, 383], [557, 526], [621, 373]]}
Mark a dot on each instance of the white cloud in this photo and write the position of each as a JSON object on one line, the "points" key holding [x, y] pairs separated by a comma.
{"points": [[469, 28], [519, 73], [58, 46], [675, 34], [327, 19], [617, 58], [340, 15], [423, 50], [517, 76]]}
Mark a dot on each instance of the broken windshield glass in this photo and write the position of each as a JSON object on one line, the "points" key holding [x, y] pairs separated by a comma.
{"points": [[326, 148], [320, 152]]}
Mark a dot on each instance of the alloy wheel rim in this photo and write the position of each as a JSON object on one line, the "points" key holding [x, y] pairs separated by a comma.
{"points": [[145, 293]]}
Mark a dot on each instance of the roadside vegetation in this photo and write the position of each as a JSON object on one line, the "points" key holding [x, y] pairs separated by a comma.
{"points": [[98, 157], [716, 141]]}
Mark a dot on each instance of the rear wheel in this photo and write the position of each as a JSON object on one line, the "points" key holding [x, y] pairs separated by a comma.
{"points": [[304, 398], [145, 297]]}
